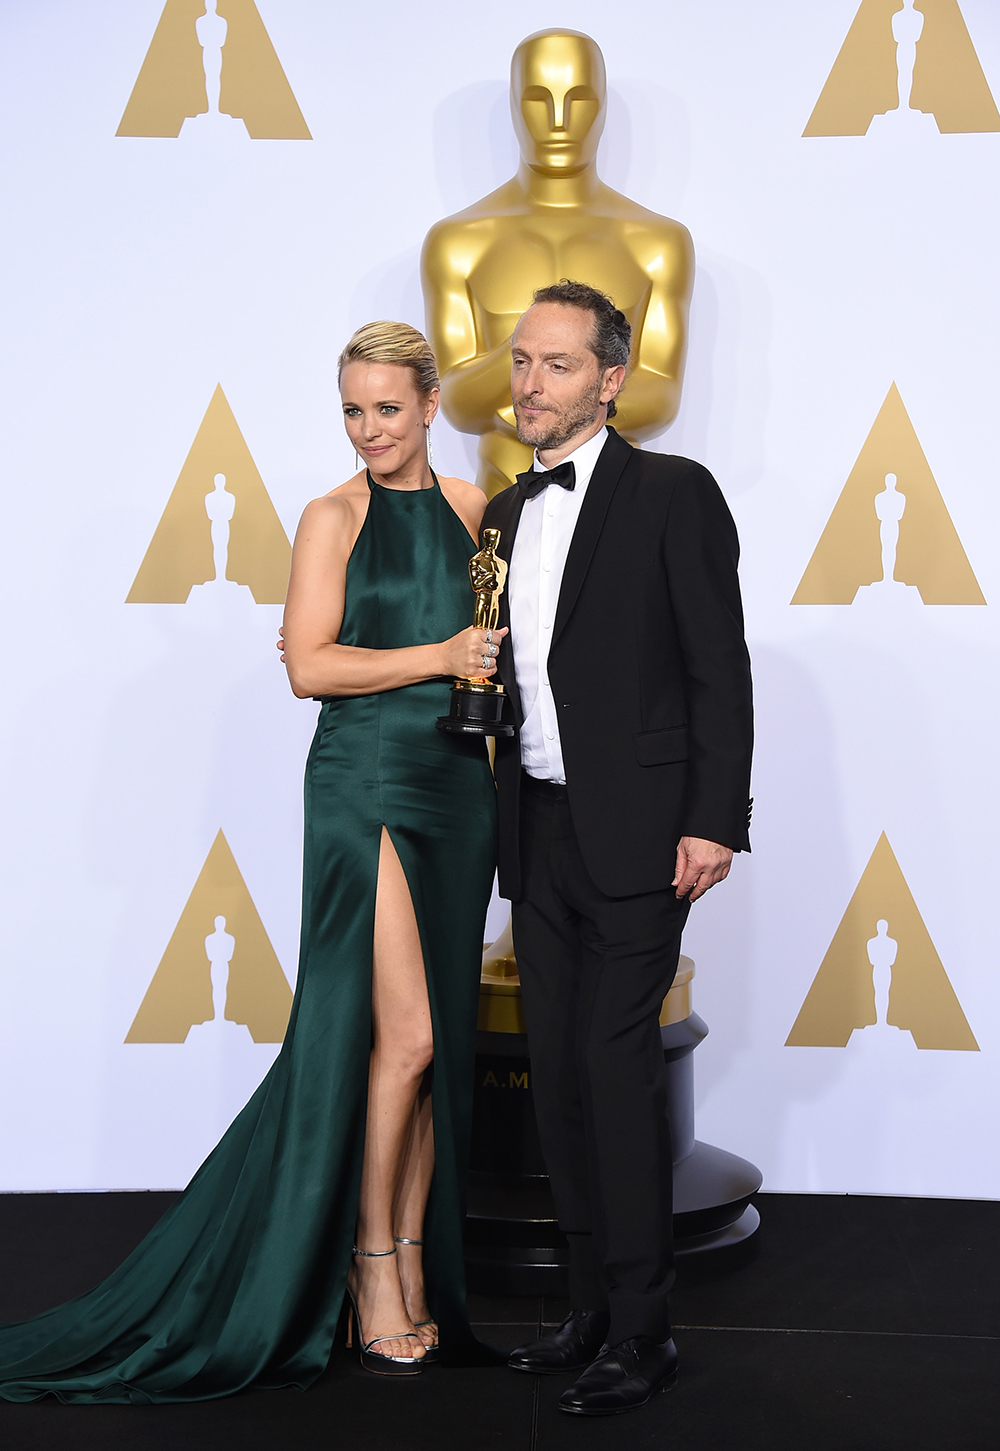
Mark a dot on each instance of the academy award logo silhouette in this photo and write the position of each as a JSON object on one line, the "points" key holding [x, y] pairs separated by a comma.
{"points": [[905, 64], [882, 972], [211, 65], [219, 970], [890, 532], [219, 530]]}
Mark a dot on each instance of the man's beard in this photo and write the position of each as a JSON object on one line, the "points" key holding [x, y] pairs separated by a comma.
{"points": [[565, 424]]}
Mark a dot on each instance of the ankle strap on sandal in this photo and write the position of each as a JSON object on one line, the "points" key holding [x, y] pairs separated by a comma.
{"points": [[374, 1254], [399, 1240]]}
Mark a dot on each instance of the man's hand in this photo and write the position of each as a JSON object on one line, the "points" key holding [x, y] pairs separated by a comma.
{"points": [[700, 864]]}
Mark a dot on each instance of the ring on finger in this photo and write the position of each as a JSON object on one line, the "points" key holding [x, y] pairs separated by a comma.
{"points": [[489, 637], [486, 662]]}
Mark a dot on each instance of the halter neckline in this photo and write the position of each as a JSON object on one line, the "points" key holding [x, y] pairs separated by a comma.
{"points": [[373, 484]]}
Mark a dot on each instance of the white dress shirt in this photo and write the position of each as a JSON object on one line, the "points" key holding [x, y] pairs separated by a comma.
{"points": [[544, 534]]}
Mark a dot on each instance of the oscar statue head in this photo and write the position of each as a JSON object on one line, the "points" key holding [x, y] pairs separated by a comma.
{"points": [[558, 100]]}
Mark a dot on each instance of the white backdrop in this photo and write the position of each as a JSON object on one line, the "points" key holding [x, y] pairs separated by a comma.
{"points": [[139, 273]]}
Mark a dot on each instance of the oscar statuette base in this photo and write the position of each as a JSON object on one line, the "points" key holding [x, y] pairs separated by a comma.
{"points": [[476, 710]]}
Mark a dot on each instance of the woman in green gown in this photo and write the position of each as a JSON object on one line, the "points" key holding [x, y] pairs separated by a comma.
{"points": [[355, 1144]]}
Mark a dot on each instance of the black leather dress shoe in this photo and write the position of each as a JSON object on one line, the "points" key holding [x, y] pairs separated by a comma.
{"points": [[570, 1347], [622, 1378]]}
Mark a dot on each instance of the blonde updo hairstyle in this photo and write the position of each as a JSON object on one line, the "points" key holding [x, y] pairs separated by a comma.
{"points": [[393, 342]]}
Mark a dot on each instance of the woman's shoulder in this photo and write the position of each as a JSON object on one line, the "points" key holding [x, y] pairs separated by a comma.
{"points": [[461, 486], [339, 511], [467, 499]]}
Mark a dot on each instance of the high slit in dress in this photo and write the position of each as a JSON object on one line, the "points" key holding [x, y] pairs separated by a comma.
{"points": [[241, 1282]]}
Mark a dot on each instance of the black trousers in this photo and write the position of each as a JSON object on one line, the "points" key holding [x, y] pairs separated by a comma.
{"points": [[594, 971]]}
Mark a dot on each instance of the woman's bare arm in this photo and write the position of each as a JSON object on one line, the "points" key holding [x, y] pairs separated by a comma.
{"points": [[314, 613]]}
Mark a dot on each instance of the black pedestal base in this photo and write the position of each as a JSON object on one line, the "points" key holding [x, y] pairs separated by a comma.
{"points": [[472, 728], [734, 1237], [475, 709], [513, 1245]]}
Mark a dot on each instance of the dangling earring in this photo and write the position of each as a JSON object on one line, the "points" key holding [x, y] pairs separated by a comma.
{"points": [[430, 450], [357, 461]]}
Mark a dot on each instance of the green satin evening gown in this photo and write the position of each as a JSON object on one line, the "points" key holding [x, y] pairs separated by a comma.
{"points": [[241, 1282]]}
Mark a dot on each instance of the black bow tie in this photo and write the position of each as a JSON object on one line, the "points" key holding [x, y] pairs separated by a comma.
{"points": [[534, 481]]}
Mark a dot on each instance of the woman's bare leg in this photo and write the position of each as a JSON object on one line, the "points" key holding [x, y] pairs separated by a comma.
{"points": [[408, 1213], [403, 1048]]}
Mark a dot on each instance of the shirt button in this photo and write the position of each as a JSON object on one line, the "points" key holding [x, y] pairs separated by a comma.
{"points": [[550, 735], [546, 567], [547, 625]]}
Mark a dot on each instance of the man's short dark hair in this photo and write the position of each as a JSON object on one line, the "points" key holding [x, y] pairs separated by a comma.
{"points": [[612, 336]]}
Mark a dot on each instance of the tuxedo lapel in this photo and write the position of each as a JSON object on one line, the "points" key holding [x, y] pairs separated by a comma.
{"points": [[614, 456]]}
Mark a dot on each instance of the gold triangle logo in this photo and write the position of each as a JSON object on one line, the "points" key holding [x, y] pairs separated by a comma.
{"points": [[212, 56], [219, 523], [921, 999], [895, 46], [219, 924], [890, 526]]}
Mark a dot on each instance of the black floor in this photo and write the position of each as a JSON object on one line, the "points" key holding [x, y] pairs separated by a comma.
{"points": [[862, 1324]]}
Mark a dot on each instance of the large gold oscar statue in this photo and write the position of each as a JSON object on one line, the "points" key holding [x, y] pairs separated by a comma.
{"points": [[554, 219]]}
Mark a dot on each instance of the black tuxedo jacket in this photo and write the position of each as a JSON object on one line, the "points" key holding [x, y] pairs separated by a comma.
{"points": [[649, 670]]}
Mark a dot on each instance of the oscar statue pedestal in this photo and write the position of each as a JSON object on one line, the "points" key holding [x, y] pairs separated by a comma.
{"points": [[513, 1244]]}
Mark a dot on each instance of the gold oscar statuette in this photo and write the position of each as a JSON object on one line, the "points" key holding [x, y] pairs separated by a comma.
{"points": [[554, 219], [476, 702]]}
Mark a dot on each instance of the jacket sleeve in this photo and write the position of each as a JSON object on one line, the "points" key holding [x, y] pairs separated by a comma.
{"points": [[702, 553], [496, 512]]}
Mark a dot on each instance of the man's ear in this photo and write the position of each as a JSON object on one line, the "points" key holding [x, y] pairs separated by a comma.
{"points": [[614, 380]]}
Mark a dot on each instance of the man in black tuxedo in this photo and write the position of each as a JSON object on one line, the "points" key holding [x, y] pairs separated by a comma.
{"points": [[622, 800]]}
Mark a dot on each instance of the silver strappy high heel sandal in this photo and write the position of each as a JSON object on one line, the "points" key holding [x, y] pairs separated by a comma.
{"points": [[371, 1359], [432, 1353]]}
